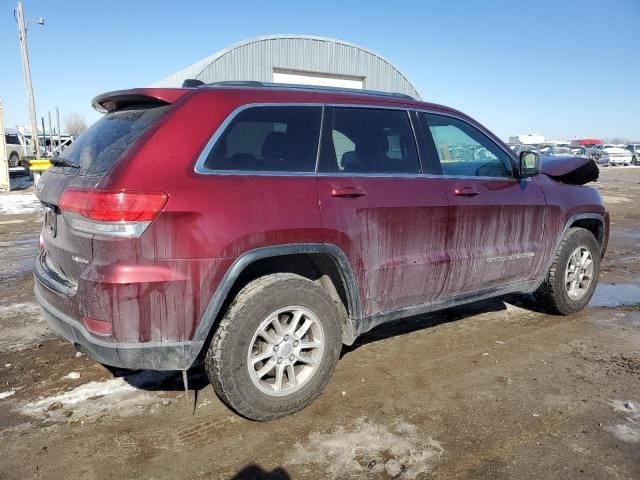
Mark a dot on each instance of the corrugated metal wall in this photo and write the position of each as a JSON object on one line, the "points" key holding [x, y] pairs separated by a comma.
{"points": [[255, 59]]}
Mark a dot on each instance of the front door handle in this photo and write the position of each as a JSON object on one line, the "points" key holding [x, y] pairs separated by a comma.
{"points": [[348, 192], [466, 192]]}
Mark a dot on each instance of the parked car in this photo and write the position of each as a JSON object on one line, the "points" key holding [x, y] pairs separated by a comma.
{"points": [[585, 152], [634, 148], [578, 152], [15, 150], [288, 221], [613, 154], [558, 152], [520, 147]]}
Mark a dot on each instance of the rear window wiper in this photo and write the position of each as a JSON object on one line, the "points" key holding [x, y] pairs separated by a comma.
{"points": [[63, 162]]}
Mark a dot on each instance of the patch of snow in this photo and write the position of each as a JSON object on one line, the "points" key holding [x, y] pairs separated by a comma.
{"points": [[72, 376], [615, 295], [12, 222], [18, 256], [369, 447], [6, 394], [120, 396], [30, 308], [21, 325], [624, 406], [629, 431], [18, 203]]}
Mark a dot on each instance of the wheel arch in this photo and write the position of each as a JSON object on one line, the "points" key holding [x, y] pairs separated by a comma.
{"points": [[327, 263], [592, 222]]}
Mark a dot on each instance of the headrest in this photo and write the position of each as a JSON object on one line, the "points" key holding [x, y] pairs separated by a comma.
{"points": [[275, 145], [377, 145], [350, 162]]}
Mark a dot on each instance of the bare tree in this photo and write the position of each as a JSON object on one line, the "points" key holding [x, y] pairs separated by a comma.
{"points": [[620, 140], [74, 124]]}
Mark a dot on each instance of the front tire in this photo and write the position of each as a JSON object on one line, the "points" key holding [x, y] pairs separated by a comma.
{"points": [[573, 276], [276, 347], [14, 160]]}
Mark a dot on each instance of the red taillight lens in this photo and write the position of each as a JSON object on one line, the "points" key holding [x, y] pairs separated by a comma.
{"points": [[109, 206], [97, 327], [111, 213]]}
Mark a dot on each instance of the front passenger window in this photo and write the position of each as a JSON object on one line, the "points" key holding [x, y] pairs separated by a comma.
{"points": [[465, 151]]}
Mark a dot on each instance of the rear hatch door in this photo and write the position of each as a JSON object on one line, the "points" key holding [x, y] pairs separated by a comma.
{"points": [[67, 251]]}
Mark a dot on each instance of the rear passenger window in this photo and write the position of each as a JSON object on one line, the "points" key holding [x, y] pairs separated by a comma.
{"points": [[368, 140], [269, 139], [465, 151]]}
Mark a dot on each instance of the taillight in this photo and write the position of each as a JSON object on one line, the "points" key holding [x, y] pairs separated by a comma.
{"points": [[111, 213]]}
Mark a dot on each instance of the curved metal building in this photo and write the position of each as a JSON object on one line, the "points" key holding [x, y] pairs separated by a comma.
{"points": [[300, 59]]}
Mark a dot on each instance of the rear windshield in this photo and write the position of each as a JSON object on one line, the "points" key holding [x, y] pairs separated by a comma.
{"points": [[97, 149]]}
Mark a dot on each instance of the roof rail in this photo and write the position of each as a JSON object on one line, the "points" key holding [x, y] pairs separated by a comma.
{"points": [[356, 91], [237, 83]]}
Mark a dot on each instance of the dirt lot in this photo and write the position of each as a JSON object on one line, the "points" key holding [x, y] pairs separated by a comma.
{"points": [[492, 390]]}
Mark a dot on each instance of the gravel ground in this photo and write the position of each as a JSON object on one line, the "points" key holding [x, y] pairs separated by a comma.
{"points": [[491, 390]]}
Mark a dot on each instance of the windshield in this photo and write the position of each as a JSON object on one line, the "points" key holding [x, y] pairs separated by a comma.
{"points": [[97, 149]]}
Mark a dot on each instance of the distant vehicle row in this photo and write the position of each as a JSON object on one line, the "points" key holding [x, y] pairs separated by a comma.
{"points": [[610, 154], [603, 153]]}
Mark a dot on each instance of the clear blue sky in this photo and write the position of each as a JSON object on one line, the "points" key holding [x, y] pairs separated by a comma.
{"points": [[563, 68]]}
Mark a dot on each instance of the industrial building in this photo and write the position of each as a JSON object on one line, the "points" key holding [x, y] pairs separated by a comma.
{"points": [[299, 59]]}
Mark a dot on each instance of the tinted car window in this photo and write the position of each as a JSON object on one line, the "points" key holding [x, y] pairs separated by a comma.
{"points": [[270, 139], [465, 151], [97, 149], [368, 140], [11, 139]]}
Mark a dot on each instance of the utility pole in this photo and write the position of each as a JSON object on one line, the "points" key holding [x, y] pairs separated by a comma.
{"points": [[50, 136], [22, 35], [59, 131], [5, 183], [44, 138]]}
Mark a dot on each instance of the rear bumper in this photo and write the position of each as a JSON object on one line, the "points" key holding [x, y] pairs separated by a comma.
{"points": [[150, 355]]}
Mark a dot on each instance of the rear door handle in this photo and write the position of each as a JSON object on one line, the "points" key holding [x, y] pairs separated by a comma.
{"points": [[466, 192], [348, 192]]}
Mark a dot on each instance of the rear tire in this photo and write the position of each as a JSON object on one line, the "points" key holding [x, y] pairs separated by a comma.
{"points": [[573, 275], [261, 324]]}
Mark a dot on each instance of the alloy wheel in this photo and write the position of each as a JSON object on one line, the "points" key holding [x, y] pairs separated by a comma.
{"points": [[578, 274], [285, 351]]}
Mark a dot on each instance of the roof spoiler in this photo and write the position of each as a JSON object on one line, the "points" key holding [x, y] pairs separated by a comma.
{"points": [[119, 99]]}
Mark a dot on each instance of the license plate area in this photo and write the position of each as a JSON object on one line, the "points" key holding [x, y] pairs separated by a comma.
{"points": [[50, 220]]}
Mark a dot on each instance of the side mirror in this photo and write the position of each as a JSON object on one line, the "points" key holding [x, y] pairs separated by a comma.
{"points": [[529, 164]]}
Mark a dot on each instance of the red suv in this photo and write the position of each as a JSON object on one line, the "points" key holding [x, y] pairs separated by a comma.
{"points": [[259, 227]]}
